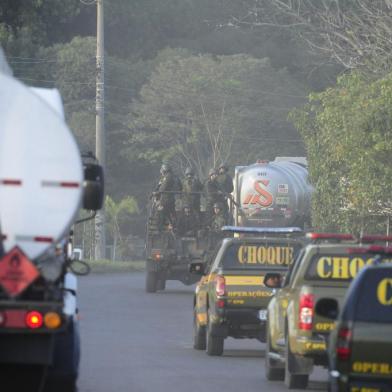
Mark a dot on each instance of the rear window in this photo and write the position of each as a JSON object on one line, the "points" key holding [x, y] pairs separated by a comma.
{"points": [[337, 268], [259, 256], [374, 303]]}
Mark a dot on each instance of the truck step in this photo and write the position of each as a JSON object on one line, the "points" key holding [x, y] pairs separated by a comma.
{"points": [[276, 357]]}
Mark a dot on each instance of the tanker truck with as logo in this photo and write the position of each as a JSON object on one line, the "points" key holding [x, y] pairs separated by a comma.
{"points": [[272, 194]]}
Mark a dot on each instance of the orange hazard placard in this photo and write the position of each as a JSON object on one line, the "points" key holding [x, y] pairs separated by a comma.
{"points": [[17, 272]]}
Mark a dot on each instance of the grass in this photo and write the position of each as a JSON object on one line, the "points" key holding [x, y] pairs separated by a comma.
{"points": [[109, 266]]}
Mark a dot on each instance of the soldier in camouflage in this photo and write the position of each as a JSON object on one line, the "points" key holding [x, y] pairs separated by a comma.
{"points": [[165, 195], [187, 223], [219, 218], [191, 188], [212, 192], [225, 184]]}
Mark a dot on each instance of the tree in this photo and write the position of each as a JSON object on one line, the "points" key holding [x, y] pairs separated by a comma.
{"points": [[347, 132], [203, 110], [352, 33], [117, 214]]}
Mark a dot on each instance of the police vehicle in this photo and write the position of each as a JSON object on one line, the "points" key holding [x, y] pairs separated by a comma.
{"points": [[360, 348], [231, 299], [296, 335]]}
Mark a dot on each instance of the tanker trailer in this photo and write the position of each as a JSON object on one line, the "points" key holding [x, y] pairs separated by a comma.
{"points": [[272, 194], [43, 183]]}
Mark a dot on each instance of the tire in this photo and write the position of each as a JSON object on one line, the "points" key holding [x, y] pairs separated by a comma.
{"points": [[272, 371], [199, 334], [151, 281], [292, 380], [161, 284], [62, 375], [61, 385], [215, 344]]}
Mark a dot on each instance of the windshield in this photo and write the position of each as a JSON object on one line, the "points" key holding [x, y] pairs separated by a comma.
{"points": [[374, 302]]}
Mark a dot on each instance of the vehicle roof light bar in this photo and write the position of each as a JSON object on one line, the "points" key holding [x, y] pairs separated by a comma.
{"points": [[262, 230], [373, 249], [330, 236], [368, 239]]}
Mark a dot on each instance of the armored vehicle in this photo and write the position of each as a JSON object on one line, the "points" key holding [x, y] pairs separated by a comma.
{"points": [[272, 194], [296, 336], [231, 299], [169, 256], [360, 347]]}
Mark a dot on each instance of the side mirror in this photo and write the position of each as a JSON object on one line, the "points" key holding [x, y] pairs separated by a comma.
{"points": [[93, 187], [197, 268], [273, 280], [327, 307]]}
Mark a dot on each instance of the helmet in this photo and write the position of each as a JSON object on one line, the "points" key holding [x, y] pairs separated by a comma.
{"points": [[212, 172], [217, 205], [165, 168], [186, 206], [189, 172]]}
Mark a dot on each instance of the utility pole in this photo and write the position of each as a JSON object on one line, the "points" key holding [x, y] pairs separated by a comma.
{"points": [[100, 142]]}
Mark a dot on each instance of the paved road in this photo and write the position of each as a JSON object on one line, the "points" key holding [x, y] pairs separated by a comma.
{"points": [[133, 341]]}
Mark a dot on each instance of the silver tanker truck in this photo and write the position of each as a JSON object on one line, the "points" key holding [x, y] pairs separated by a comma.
{"points": [[272, 194], [43, 183]]}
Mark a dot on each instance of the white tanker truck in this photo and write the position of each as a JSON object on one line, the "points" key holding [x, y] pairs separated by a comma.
{"points": [[43, 183], [272, 194]]}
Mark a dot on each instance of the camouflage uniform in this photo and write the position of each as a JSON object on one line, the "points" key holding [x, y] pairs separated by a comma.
{"points": [[225, 184], [213, 193], [219, 219], [165, 195], [187, 223], [217, 222], [191, 188]]}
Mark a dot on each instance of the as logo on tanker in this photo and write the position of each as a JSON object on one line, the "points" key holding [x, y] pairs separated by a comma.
{"points": [[261, 197], [338, 267], [265, 255]]}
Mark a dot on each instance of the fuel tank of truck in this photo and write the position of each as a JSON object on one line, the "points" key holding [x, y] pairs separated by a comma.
{"points": [[272, 194], [41, 172]]}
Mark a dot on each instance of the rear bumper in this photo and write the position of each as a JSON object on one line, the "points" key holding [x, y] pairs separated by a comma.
{"points": [[173, 271], [243, 323], [58, 350], [29, 349], [360, 384], [314, 347]]}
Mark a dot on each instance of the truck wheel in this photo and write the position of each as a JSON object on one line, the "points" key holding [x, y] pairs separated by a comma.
{"points": [[151, 281], [214, 343], [62, 376], [293, 380], [272, 370], [199, 334], [161, 284]]}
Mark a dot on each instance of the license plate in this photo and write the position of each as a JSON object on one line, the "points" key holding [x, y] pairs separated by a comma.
{"points": [[263, 314]]}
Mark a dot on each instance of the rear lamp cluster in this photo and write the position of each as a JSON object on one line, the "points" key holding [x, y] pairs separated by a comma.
{"points": [[29, 319], [306, 311]]}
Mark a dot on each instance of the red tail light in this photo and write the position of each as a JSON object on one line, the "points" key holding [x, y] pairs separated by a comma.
{"points": [[34, 320], [306, 306], [343, 348], [220, 286]]}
